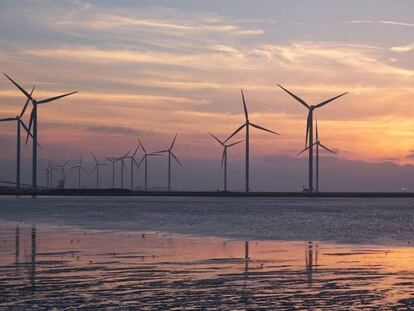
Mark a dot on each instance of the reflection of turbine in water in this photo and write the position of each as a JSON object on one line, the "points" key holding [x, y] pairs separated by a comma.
{"points": [[311, 256], [17, 247], [32, 275]]}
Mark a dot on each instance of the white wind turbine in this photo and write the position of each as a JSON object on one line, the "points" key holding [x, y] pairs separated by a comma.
{"points": [[19, 124], [80, 168], [309, 127], [96, 168], [132, 163], [224, 157], [247, 125], [170, 155], [144, 160], [317, 144], [33, 121]]}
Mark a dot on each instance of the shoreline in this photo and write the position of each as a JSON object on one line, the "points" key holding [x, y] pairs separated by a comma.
{"points": [[216, 194]]}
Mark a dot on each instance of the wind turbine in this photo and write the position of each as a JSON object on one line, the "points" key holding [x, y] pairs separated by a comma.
{"points": [[123, 166], [113, 161], [80, 168], [145, 160], [317, 144], [96, 168], [62, 171], [224, 157], [170, 154], [19, 123], [133, 161], [51, 168], [33, 121], [247, 125], [309, 127], [47, 170]]}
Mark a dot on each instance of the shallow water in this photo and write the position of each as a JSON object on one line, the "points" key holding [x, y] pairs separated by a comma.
{"points": [[378, 221], [43, 267], [189, 253]]}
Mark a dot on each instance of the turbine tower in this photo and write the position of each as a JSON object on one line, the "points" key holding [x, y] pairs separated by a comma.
{"points": [[51, 168], [96, 168], [80, 168], [133, 161], [145, 160], [19, 123], [224, 157], [123, 166], [170, 154], [62, 172], [309, 127], [113, 161], [33, 121], [247, 125], [317, 144]]}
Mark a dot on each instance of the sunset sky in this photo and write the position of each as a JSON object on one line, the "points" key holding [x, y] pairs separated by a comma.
{"points": [[153, 68]]}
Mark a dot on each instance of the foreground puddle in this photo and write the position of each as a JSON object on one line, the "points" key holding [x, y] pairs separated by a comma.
{"points": [[45, 267]]}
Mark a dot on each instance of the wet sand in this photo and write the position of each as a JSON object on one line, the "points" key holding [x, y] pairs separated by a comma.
{"points": [[42, 267]]}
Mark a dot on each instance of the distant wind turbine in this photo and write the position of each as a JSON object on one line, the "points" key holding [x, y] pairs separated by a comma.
{"points": [[51, 169], [113, 161], [170, 154], [96, 168], [247, 125], [33, 121], [47, 170], [62, 171], [80, 169], [133, 162], [224, 157], [19, 123], [309, 128], [123, 166], [317, 144], [145, 160]]}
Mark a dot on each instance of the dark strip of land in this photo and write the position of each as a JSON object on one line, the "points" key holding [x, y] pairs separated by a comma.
{"points": [[125, 192]]}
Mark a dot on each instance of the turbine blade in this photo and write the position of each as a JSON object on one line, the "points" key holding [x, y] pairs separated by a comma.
{"points": [[135, 162], [142, 160], [8, 119], [317, 135], [142, 146], [162, 151], [246, 114], [295, 97], [19, 87], [175, 158], [135, 152], [329, 100], [83, 169], [94, 168], [219, 141], [66, 163], [236, 131], [236, 143], [28, 132], [30, 125], [47, 100], [263, 129], [308, 124], [299, 153], [93, 155], [27, 102], [327, 149], [173, 142]]}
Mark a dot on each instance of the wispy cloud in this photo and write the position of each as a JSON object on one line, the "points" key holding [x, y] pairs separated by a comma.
{"points": [[403, 48], [385, 22]]}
